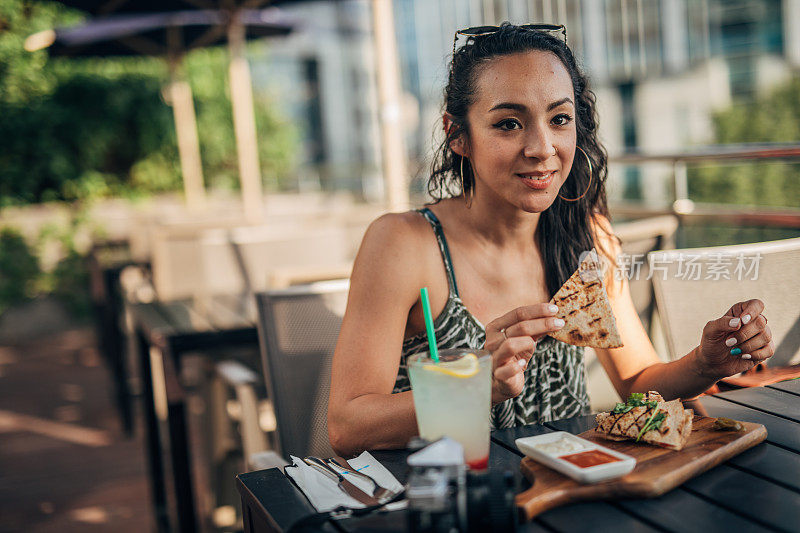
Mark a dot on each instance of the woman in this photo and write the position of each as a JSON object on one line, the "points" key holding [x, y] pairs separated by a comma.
{"points": [[519, 184]]}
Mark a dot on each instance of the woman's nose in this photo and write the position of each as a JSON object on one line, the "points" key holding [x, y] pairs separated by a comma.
{"points": [[539, 144]]}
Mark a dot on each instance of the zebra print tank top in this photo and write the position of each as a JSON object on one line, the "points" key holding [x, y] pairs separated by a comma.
{"points": [[555, 379]]}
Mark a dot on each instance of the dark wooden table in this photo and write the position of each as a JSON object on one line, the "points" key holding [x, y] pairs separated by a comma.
{"points": [[165, 331], [758, 490]]}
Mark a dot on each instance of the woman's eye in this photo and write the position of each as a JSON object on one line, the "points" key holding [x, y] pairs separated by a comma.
{"points": [[508, 124], [562, 119]]}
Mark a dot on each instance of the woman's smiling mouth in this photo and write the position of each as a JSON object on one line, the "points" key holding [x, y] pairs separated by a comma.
{"points": [[537, 180]]}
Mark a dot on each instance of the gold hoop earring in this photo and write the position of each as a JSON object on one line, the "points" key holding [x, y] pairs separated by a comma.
{"points": [[589, 162], [467, 198]]}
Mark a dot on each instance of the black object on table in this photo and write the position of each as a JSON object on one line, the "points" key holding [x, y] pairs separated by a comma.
{"points": [[758, 490], [164, 332]]}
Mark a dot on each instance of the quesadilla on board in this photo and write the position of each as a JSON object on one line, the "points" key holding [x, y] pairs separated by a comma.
{"points": [[647, 417], [583, 305]]}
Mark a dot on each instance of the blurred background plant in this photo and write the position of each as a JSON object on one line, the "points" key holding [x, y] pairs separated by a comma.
{"points": [[19, 269], [54, 265], [774, 117], [87, 129], [62, 258]]}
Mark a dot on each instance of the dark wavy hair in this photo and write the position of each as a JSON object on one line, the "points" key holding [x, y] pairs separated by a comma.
{"points": [[565, 228]]}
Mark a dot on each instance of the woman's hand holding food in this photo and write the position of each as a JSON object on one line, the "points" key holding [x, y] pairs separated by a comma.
{"points": [[736, 342], [512, 340]]}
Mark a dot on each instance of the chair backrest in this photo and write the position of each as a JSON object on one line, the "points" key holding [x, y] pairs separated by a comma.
{"points": [[175, 253], [694, 286], [280, 278], [175, 264], [639, 237], [241, 260], [298, 328], [148, 229]]}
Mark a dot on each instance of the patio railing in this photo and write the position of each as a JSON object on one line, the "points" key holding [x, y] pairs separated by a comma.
{"points": [[689, 211]]}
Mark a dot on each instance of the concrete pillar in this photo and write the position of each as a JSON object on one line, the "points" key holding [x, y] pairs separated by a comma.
{"points": [[180, 98], [791, 31], [594, 35], [389, 98], [674, 33], [244, 122]]}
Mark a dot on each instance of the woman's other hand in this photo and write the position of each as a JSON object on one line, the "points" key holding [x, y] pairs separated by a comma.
{"points": [[512, 340], [736, 342]]}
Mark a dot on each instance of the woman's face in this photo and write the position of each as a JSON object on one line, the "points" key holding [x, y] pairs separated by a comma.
{"points": [[522, 129]]}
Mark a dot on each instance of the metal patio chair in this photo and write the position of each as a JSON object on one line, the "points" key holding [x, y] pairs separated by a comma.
{"points": [[298, 328]]}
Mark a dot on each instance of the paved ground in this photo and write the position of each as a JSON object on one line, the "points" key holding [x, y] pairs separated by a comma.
{"points": [[64, 463]]}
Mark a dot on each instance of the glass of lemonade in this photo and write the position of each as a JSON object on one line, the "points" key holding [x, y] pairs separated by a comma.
{"points": [[453, 398]]}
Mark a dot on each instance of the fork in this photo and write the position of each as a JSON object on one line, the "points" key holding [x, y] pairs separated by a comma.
{"points": [[382, 494]]}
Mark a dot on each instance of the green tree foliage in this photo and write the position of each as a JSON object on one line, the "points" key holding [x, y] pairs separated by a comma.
{"points": [[73, 129], [71, 283], [68, 280], [83, 139], [23, 75], [19, 269], [771, 118]]}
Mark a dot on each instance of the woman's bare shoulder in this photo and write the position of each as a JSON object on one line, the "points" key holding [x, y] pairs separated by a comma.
{"points": [[397, 230], [409, 224], [395, 244]]}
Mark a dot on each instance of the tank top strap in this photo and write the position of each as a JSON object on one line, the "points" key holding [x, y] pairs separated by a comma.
{"points": [[445, 251]]}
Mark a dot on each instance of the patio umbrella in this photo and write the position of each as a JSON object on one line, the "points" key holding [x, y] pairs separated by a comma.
{"points": [[169, 35]]}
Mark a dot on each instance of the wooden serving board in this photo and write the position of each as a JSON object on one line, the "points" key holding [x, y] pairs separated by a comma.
{"points": [[658, 470]]}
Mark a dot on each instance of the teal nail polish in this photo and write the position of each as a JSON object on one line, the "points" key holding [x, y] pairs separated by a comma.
{"points": [[736, 351]]}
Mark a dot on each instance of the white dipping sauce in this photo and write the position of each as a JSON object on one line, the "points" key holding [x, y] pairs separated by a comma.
{"points": [[559, 447]]}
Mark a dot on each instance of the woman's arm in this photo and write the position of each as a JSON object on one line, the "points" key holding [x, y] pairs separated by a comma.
{"points": [[636, 367], [362, 411]]}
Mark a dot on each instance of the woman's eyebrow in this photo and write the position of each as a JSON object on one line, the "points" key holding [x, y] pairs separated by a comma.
{"points": [[522, 108], [560, 102], [509, 105]]}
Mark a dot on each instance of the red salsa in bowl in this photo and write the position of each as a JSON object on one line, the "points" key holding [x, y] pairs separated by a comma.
{"points": [[589, 458]]}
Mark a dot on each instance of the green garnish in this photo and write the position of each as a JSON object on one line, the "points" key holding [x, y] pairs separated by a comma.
{"points": [[654, 422], [620, 408], [636, 399]]}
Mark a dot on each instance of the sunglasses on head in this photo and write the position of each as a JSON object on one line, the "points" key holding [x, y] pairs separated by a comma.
{"points": [[480, 31]]}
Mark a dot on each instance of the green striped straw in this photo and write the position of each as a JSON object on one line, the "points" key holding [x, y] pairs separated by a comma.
{"points": [[426, 310]]}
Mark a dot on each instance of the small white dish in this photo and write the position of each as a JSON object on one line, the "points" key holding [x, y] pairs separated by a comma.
{"points": [[541, 449]]}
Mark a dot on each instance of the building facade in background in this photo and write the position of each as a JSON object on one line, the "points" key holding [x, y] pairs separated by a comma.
{"points": [[660, 69], [324, 75]]}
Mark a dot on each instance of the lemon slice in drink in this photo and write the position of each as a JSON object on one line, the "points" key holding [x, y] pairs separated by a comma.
{"points": [[466, 367]]}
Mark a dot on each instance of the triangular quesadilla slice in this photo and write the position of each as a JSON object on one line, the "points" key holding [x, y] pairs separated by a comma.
{"points": [[583, 305], [655, 421]]}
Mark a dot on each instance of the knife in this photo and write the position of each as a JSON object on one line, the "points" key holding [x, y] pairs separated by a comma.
{"points": [[379, 492], [346, 487]]}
